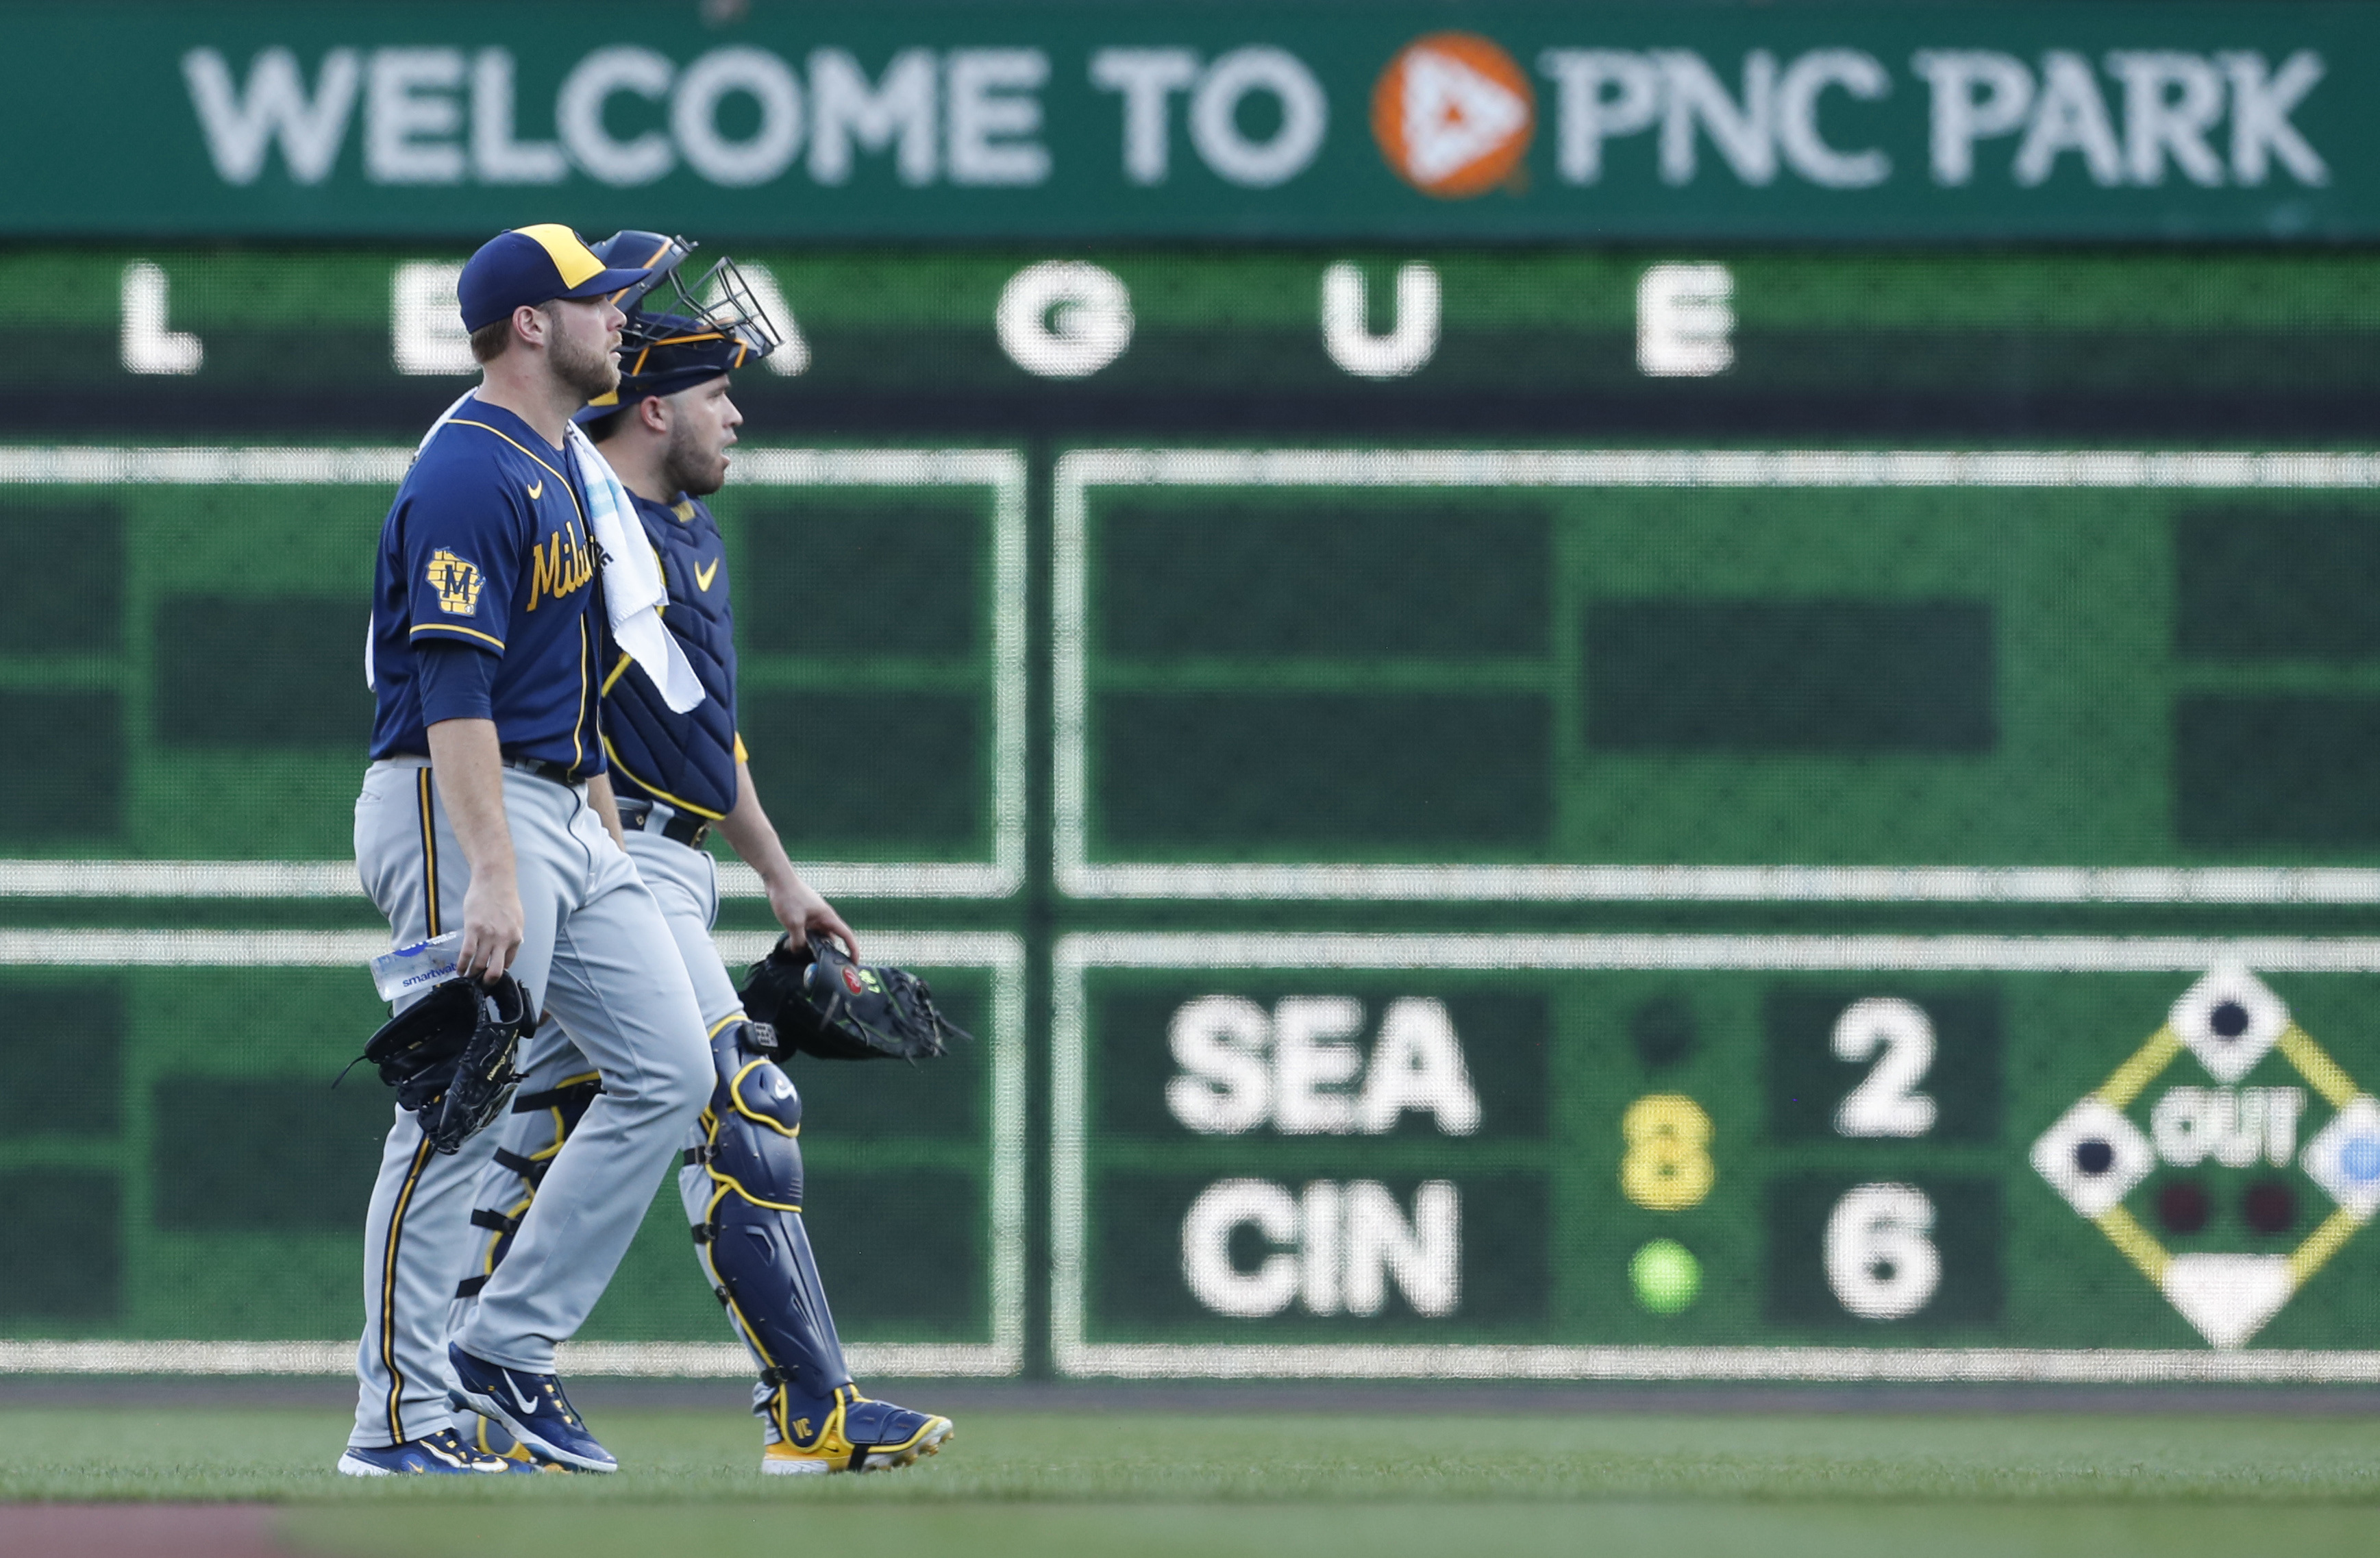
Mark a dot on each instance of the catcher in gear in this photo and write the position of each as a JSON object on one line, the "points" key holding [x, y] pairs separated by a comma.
{"points": [[667, 432]]}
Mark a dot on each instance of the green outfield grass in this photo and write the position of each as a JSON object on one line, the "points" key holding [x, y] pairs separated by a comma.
{"points": [[1155, 1485]]}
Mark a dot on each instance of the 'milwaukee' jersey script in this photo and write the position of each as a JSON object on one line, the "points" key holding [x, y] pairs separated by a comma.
{"points": [[487, 545]]}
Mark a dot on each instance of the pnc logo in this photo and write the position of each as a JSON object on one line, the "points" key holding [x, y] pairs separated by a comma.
{"points": [[1454, 114]]}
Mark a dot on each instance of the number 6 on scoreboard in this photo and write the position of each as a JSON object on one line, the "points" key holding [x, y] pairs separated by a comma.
{"points": [[1879, 1261]]}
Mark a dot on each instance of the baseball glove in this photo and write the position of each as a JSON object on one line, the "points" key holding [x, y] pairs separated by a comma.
{"points": [[823, 1004], [450, 1056]]}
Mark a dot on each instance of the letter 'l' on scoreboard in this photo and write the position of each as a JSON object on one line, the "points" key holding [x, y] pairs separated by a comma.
{"points": [[1713, 1156]]}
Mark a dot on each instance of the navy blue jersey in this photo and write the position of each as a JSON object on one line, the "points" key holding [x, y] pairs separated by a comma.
{"points": [[487, 545], [685, 761]]}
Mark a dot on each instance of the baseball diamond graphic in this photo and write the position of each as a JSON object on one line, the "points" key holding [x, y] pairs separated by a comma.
{"points": [[2095, 1156]]}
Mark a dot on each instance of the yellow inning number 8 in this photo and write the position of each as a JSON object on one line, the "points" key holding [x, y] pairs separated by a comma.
{"points": [[1669, 1165]]}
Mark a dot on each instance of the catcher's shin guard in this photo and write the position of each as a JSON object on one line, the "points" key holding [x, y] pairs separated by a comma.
{"points": [[542, 1120], [751, 1237], [551, 1100]]}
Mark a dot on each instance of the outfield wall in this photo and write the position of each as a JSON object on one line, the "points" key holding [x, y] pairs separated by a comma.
{"points": [[1676, 809]]}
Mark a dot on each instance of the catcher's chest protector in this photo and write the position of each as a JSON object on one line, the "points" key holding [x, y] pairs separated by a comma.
{"points": [[663, 755], [753, 1239]]}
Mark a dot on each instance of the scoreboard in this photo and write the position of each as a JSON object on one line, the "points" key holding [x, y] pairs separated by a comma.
{"points": [[1656, 675], [187, 617], [1695, 1156], [1523, 813]]}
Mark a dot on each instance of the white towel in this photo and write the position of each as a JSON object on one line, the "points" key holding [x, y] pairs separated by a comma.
{"points": [[633, 591]]}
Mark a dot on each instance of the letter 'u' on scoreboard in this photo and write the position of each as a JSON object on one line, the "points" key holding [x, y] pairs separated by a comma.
{"points": [[1713, 1157]]}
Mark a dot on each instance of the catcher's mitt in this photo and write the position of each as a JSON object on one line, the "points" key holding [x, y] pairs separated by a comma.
{"points": [[449, 1056], [823, 1004]]}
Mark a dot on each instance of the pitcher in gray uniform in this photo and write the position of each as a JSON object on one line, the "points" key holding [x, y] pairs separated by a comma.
{"points": [[667, 431], [487, 808]]}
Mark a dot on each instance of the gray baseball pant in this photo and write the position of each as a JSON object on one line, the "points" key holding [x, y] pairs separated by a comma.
{"points": [[684, 882], [593, 957]]}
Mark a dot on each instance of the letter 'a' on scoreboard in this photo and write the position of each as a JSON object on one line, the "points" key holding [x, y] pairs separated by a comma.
{"points": [[1886, 1157], [1716, 676]]}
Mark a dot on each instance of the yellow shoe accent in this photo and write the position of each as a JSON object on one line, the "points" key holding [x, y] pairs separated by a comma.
{"points": [[833, 1451]]}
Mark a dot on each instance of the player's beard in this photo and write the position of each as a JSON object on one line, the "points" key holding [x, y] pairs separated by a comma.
{"points": [[691, 467], [588, 370]]}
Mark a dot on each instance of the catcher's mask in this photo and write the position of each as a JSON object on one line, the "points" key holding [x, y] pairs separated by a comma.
{"points": [[680, 334]]}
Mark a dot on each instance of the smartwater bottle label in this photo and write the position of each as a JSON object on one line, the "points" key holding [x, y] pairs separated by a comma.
{"points": [[418, 966]]}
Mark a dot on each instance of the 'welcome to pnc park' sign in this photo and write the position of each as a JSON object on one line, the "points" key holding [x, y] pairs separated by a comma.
{"points": [[2078, 119]]}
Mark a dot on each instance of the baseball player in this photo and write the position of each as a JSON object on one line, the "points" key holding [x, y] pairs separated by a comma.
{"points": [[679, 775], [484, 810]]}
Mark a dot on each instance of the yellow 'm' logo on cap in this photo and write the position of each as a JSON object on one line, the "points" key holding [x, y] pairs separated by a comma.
{"points": [[572, 257]]}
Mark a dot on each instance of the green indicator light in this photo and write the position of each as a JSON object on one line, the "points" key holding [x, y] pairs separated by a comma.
{"points": [[1666, 1276]]}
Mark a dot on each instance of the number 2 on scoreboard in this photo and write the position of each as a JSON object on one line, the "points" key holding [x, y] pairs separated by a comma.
{"points": [[1900, 1035]]}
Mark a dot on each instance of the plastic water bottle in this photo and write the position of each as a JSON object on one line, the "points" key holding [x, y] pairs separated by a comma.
{"points": [[413, 968]]}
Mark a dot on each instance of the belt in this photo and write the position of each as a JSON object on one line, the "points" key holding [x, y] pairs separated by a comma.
{"points": [[652, 817], [557, 772]]}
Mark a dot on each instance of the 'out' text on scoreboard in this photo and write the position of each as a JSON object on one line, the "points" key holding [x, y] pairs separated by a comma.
{"points": [[1713, 1156]]}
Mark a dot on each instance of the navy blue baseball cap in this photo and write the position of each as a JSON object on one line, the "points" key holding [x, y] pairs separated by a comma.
{"points": [[533, 266]]}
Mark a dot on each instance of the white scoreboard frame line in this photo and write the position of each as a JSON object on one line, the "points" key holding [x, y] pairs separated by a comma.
{"points": [[1002, 470], [1071, 1354], [1079, 470], [999, 952]]}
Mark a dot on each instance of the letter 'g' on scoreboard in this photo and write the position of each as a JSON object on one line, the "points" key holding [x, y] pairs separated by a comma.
{"points": [[1871, 1157]]}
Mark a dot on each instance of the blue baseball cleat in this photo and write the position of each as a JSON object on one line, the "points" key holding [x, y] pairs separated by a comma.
{"points": [[532, 1406], [437, 1455], [490, 1439]]}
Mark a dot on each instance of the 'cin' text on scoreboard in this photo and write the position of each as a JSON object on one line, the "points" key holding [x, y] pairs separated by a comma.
{"points": [[1712, 1156]]}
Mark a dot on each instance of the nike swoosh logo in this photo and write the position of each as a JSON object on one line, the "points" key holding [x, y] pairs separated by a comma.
{"points": [[537, 489], [704, 576], [527, 1406]]}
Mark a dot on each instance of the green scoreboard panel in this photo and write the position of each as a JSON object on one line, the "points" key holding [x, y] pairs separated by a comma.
{"points": [[1434, 674], [2171, 349], [1681, 813], [161, 1193], [185, 623], [1714, 1156]]}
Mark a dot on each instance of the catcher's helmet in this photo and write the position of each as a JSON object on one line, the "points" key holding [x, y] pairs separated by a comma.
{"points": [[679, 335]]}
